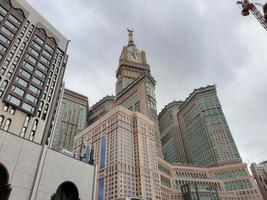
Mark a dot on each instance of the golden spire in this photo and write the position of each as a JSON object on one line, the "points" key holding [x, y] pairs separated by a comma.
{"points": [[130, 35]]}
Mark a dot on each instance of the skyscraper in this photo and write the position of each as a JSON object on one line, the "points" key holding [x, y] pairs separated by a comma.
{"points": [[126, 139], [72, 119], [135, 87], [259, 172], [208, 139], [171, 138], [33, 60], [125, 151]]}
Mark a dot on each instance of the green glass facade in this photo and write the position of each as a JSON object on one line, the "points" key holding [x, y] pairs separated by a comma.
{"points": [[208, 139]]}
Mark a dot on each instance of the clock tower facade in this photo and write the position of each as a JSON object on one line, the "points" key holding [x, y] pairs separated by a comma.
{"points": [[135, 86]]}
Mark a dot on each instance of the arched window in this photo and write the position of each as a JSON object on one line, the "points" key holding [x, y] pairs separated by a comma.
{"points": [[12, 111], [25, 126], [34, 128], [1, 120], [40, 109], [66, 191], [45, 111], [4, 186], [7, 125]]}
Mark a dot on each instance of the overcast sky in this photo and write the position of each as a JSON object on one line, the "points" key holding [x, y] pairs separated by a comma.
{"points": [[189, 44]]}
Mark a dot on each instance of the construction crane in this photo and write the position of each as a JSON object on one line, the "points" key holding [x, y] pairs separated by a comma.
{"points": [[248, 7]]}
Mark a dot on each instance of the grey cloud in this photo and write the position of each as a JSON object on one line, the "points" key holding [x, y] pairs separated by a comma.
{"points": [[189, 44]]}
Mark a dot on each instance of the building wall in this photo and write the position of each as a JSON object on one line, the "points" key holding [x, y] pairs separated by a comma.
{"points": [[140, 97], [259, 172], [35, 172], [32, 65], [233, 182], [72, 119], [208, 139], [171, 138], [125, 152], [100, 108]]}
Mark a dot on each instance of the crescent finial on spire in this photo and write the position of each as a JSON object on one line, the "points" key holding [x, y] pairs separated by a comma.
{"points": [[130, 34]]}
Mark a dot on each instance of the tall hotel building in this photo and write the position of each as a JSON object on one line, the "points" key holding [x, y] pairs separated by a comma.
{"points": [[33, 60], [135, 86], [125, 151], [71, 119], [207, 137], [126, 140]]}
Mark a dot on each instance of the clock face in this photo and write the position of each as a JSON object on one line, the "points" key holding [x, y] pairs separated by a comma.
{"points": [[134, 56]]}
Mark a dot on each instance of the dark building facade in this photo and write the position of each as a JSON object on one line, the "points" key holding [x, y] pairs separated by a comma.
{"points": [[171, 138], [208, 139]]}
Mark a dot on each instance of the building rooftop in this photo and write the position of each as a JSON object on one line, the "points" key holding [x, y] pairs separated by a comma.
{"points": [[168, 106], [106, 98], [198, 91]]}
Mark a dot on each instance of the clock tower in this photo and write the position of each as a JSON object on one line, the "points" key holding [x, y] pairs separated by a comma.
{"points": [[132, 64], [135, 86]]}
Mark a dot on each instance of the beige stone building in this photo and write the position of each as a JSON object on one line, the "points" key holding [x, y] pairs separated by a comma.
{"points": [[259, 172], [32, 64], [135, 86], [230, 182], [125, 151]]}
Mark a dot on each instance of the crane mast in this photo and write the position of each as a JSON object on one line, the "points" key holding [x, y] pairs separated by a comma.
{"points": [[248, 7]]}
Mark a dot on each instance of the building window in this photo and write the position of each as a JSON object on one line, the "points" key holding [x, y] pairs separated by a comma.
{"points": [[33, 131], [28, 66], [45, 111], [28, 107], [21, 82], [3, 87], [3, 10], [25, 126], [40, 109], [5, 108], [103, 153], [4, 39], [25, 73], [12, 111], [37, 81], [101, 190], [31, 98], [13, 100], [40, 74], [1, 120], [14, 20], [7, 125], [34, 89]]}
